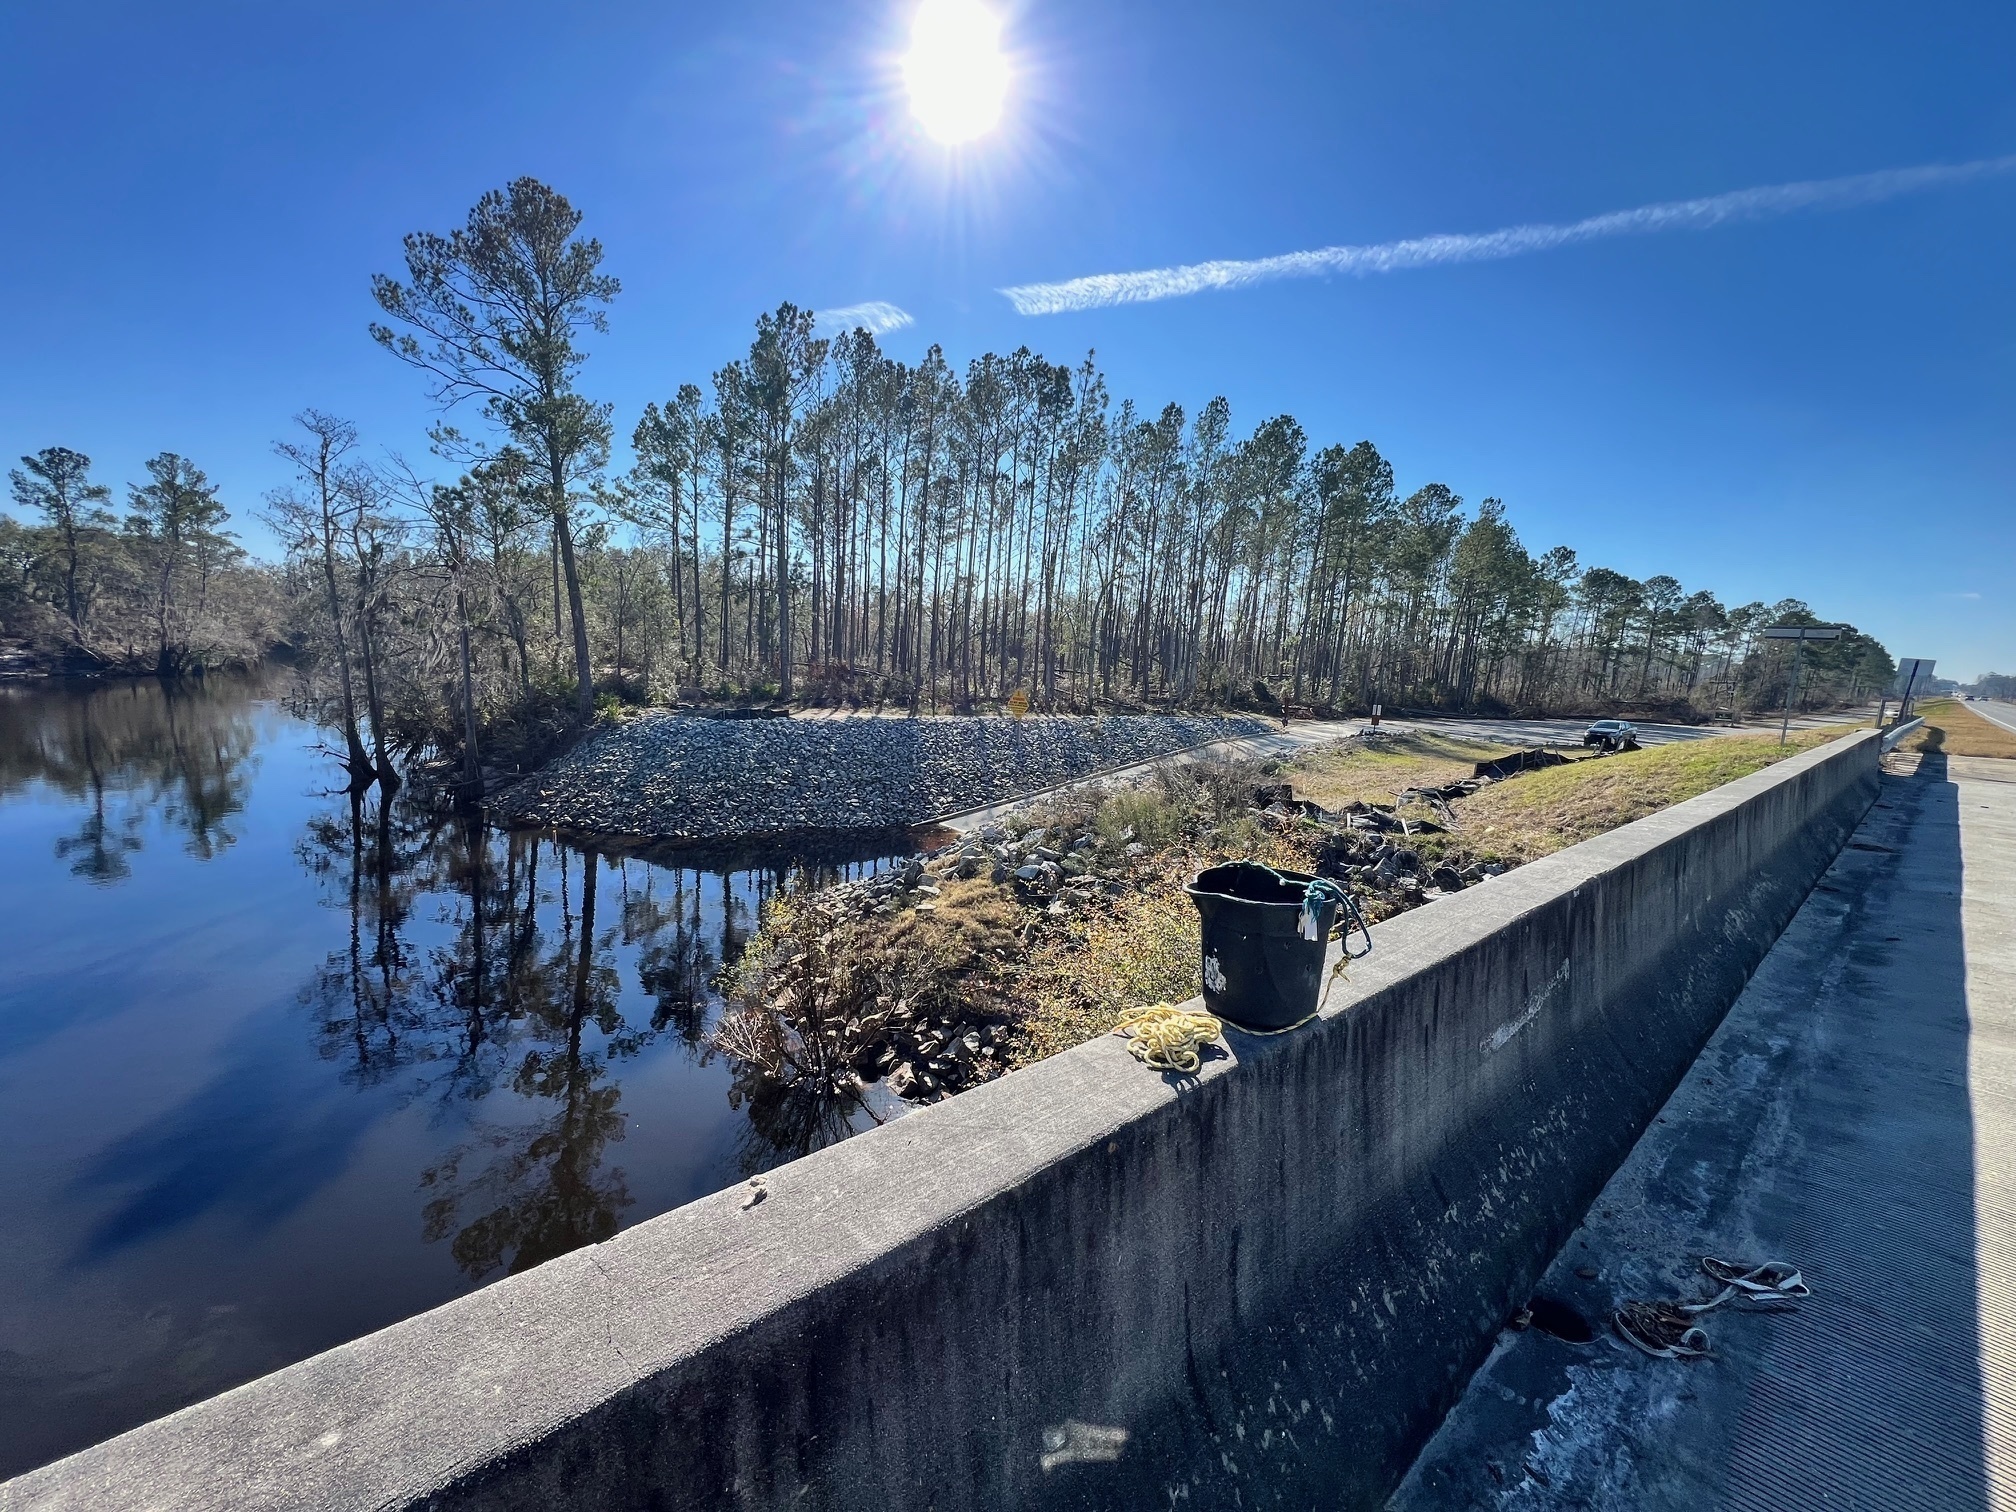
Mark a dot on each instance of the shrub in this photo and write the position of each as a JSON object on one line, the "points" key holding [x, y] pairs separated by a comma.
{"points": [[1143, 814]]}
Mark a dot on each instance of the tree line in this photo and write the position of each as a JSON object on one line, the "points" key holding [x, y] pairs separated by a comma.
{"points": [[1994, 685], [164, 589], [823, 521]]}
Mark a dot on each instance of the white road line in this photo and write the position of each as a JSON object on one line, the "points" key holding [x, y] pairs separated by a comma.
{"points": [[1998, 713]]}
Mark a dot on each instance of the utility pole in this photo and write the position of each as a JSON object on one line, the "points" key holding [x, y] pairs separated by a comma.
{"points": [[1799, 634]]}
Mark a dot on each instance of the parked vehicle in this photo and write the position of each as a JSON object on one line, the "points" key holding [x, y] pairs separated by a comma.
{"points": [[1612, 735]]}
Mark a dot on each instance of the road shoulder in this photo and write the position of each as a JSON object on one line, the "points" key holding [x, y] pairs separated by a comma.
{"points": [[1852, 1115]]}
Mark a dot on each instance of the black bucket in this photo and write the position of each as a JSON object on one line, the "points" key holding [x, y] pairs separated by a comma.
{"points": [[1260, 972]]}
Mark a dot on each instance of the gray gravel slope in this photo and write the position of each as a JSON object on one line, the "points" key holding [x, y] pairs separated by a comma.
{"points": [[670, 776]]}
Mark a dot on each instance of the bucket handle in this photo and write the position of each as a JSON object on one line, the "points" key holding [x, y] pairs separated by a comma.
{"points": [[1313, 894], [1314, 891]]}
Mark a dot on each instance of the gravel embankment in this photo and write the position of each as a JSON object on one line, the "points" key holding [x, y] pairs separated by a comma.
{"points": [[680, 777]]}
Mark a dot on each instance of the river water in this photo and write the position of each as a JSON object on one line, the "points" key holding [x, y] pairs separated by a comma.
{"points": [[276, 1071]]}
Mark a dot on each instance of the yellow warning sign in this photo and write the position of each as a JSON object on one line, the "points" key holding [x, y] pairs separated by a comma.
{"points": [[1018, 703]]}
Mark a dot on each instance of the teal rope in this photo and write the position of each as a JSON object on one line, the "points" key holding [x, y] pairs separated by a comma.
{"points": [[1314, 892]]}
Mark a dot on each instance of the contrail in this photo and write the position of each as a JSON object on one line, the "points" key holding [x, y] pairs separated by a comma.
{"points": [[877, 316], [1102, 289]]}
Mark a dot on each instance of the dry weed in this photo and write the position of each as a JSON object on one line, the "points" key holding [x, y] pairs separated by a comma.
{"points": [[1538, 813], [1956, 730]]}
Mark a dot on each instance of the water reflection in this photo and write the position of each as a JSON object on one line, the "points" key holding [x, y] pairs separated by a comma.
{"points": [[182, 752], [518, 1008], [790, 1119], [512, 1197], [279, 1066]]}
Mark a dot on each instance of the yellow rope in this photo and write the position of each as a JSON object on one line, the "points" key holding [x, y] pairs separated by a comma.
{"points": [[1167, 1038], [1290, 1029]]}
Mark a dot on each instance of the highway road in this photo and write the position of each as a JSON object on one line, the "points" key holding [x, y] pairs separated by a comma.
{"points": [[2003, 714], [1303, 735], [1569, 731]]}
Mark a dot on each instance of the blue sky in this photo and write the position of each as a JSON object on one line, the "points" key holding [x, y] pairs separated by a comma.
{"points": [[1818, 404]]}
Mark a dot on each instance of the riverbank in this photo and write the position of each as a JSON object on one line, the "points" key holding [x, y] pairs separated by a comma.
{"points": [[687, 779], [24, 662], [1031, 935]]}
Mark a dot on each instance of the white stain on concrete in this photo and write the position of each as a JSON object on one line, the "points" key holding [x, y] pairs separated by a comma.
{"points": [[1503, 1035], [1074, 1443]]}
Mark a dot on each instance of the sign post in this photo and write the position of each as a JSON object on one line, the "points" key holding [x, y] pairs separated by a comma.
{"points": [[1911, 672], [1800, 634]]}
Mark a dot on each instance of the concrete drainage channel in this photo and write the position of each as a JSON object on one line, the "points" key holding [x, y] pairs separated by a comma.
{"points": [[1084, 1285]]}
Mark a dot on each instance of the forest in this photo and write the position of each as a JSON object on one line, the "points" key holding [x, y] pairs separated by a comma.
{"points": [[164, 590], [820, 522]]}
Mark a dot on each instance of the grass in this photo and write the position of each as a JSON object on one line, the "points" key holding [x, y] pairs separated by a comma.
{"points": [[1145, 815], [1956, 730], [970, 922], [1541, 812], [1076, 984], [1143, 948], [1060, 980], [1373, 773], [1073, 984]]}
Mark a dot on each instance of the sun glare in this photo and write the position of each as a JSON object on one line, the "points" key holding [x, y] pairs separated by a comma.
{"points": [[956, 74]]}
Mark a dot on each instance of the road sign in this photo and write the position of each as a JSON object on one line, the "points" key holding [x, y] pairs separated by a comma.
{"points": [[1803, 632], [1018, 703], [1914, 673]]}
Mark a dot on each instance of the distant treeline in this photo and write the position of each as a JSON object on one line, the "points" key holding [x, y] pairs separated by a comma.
{"points": [[162, 589], [821, 521]]}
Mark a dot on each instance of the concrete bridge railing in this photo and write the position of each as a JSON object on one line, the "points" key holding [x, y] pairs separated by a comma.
{"points": [[1082, 1285]]}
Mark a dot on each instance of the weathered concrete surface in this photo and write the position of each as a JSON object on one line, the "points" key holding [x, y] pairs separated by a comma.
{"points": [[1855, 1115], [1083, 1285]]}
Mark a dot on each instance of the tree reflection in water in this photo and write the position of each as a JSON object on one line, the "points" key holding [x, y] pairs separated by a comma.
{"points": [[178, 752], [515, 1020], [542, 1191], [98, 852], [243, 1017], [790, 1119]]}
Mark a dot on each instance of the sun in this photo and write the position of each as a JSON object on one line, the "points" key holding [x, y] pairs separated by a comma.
{"points": [[955, 71]]}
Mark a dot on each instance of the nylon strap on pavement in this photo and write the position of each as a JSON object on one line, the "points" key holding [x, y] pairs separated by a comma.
{"points": [[1667, 1330], [1661, 1330]]}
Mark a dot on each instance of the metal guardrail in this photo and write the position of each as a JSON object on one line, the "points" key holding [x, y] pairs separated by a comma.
{"points": [[1897, 732]]}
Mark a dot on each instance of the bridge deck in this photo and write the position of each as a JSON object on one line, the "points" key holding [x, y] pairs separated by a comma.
{"points": [[1855, 1115]]}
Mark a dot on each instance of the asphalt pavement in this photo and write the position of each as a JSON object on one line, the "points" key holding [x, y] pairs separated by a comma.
{"points": [[2003, 714], [1303, 735], [1569, 731], [1854, 1117]]}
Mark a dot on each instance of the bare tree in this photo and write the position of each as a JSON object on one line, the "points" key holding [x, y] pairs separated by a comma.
{"points": [[312, 519]]}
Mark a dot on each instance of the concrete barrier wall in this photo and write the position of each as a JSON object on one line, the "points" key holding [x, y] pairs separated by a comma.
{"points": [[1083, 1285]]}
